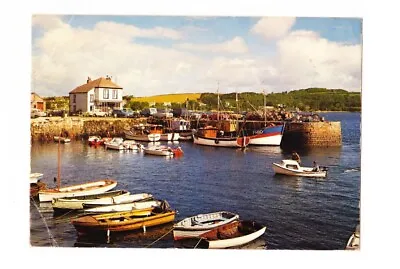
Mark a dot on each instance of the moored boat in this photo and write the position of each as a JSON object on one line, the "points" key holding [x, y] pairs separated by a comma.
{"points": [[76, 202], [35, 184], [233, 234], [99, 209], [94, 187], [125, 221], [95, 140], [143, 133], [269, 136], [208, 136], [116, 143], [121, 199], [61, 139], [196, 225], [163, 151], [293, 168]]}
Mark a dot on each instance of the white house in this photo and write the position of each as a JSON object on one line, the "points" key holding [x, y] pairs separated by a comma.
{"points": [[100, 94]]}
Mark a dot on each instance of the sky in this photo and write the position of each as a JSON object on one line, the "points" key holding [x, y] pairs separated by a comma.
{"points": [[150, 55]]}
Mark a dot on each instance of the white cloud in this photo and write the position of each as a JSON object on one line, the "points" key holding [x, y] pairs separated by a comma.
{"points": [[236, 45], [273, 28], [64, 56]]}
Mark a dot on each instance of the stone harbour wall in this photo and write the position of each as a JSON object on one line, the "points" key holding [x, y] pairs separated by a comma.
{"points": [[308, 134], [44, 129]]}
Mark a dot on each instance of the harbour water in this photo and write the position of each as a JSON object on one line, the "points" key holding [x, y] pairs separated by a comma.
{"points": [[300, 213]]}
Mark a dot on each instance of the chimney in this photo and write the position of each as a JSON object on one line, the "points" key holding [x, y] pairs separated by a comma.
{"points": [[88, 80]]}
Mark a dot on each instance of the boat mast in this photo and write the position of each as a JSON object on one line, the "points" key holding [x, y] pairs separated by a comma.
{"points": [[218, 102], [265, 110], [59, 163]]}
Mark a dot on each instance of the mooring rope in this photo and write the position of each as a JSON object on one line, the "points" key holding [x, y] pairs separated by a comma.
{"points": [[159, 238], [54, 242], [198, 243]]}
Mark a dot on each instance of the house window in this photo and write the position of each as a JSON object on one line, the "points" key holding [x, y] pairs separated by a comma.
{"points": [[74, 98], [115, 94], [91, 98], [105, 93]]}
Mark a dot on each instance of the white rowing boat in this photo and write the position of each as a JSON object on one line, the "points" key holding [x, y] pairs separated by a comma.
{"points": [[293, 168], [76, 203], [122, 199], [94, 187], [120, 207], [233, 234], [196, 225]]}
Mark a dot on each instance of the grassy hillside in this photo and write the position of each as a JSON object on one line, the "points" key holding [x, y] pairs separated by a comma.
{"points": [[173, 98]]}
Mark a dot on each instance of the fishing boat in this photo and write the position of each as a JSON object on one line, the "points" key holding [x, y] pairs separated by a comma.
{"points": [[212, 136], [120, 200], [95, 141], [144, 133], [293, 168], [121, 222], [94, 187], [196, 225], [163, 151], [96, 209], [61, 139], [76, 203], [268, 136], [354, 241], [233, 234], [182, 128]]}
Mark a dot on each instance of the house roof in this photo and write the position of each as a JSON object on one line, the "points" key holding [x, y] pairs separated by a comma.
{"points": [[98, 83]]}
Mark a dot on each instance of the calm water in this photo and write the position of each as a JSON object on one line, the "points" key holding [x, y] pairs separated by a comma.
{"points": [[300, 213]]}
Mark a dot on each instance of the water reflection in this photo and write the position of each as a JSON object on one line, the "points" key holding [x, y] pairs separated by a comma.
{"points": [[289, 181], [192, 243]]}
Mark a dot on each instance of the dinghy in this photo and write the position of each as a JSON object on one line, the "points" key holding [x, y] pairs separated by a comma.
{"points": [[126, 221], [94, 187], [196, 225], [76, 203], [93, 209], [293, 168], [163, 151], [230, 235], [120, 200]]}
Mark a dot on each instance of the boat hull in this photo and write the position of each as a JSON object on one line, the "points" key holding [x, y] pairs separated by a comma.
{"points": [[72, 203], [158, 152], [144, 137], [234, 234], [169, 137], [121, 207], [95, 187], [270, 136], [239, 142], [121, 222]]}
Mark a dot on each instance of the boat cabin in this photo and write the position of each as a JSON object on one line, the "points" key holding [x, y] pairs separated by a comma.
{"points": [[180, 125], [208, 131], [290, 164]]}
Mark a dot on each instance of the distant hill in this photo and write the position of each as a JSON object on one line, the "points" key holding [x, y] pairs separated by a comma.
{"points": [[173, 98]]}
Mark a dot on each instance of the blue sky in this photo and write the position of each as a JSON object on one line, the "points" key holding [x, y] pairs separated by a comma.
{"points": [[174, 54]]}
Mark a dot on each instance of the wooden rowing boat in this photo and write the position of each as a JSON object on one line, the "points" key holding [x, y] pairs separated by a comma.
{"points": [[196, 225], [233, 234], [76, 203], [120, 222], [94, 187]]}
